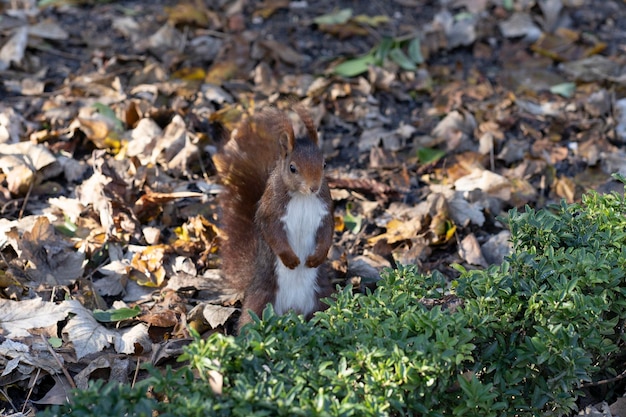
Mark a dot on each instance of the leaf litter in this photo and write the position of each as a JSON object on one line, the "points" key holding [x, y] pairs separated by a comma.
{"points": [[436, 118]]}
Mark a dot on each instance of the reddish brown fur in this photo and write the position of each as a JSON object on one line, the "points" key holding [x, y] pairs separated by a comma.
{"points": [[257, 167], [244, 165]]}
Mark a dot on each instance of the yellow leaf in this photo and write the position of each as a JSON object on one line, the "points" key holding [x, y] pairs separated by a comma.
{"points": [[187, 13], [340, 226], [221, 71], [451, 230], [190, 74], [148, 266], [371, 20]]}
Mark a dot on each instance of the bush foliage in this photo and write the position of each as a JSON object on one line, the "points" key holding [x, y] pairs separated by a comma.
{"points": [[520, 341]]}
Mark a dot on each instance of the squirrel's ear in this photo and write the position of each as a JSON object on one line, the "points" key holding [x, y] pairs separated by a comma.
{"points": [[286, 142], [308, 123]]}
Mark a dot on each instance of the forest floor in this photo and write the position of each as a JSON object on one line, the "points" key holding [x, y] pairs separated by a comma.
{"points": [[436, 117]]}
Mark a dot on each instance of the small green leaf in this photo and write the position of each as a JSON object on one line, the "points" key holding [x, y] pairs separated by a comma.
{"points": [[564, 89], [108, 112], [383, 49], [114, 315], [353, 223], [335, 18], [428, 155], [354, 67], [399, 57], [463, 16], [68, 228], [55, 342], [415, 51]]}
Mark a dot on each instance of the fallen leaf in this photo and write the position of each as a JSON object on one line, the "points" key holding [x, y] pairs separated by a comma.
{"points": [[51, 259], [455, 130], [283, 52], [18, 317], [354, 67], [86, 334], [267, 8], [217, 315], [134, 340], [497, 247], [187, 13], [13, 50], [148, 269], [520, 24], [487, 181], [564, 89], [116, 314], [58, 394], [334, 18], [48, 29], [469, 250]]}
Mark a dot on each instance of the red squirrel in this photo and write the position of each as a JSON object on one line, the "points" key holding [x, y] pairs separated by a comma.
{"points": [[277, 215]]}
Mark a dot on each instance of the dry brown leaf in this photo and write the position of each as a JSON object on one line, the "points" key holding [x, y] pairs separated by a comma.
{"points": [[151, 203], [58, 394], [469, 250], [48, 29], [84, 332], [283, 52], [18, 317], [456, 130], [221, 71], [26, 163], [564, 45], [13, 50], [267, 8], [217, 315], [148, 269], [101, 131], [165, 318], [487, 181], [497, 247], [133, 340], [345, 30], [50, 259], [565, 188], [366, 185], [187, 13], [115, 278]]}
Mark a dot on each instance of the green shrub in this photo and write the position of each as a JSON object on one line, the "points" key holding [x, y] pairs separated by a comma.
{"points": [[524, 337]]}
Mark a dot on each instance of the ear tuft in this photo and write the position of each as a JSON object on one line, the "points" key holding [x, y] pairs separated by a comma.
{"points": [[308, 122]]}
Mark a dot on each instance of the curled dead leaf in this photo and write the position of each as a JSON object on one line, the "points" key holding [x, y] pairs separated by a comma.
{"points": [[470, 251], [148, 269]]}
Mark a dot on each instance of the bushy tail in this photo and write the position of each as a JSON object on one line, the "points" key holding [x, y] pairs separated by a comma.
{"points": [[244, 164]]}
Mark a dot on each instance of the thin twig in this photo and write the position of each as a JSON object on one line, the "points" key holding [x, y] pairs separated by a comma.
{"points": [[136, 372], [56, 358], [605, 381], [492, 159], [30, 189], [30, 391], [8, 399]]}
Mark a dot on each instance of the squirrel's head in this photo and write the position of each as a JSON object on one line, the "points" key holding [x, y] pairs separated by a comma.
{"points": [[302, 167]]}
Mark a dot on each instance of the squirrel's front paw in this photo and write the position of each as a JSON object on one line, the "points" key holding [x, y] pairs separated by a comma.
{"points": [[290, 259], [315, 259]]}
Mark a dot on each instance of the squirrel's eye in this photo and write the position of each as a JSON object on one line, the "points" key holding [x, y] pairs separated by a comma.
{"points": [[324, 165], [292, 168]]}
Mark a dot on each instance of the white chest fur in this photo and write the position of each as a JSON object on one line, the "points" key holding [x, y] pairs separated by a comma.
{"points": [[297, 287]]}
